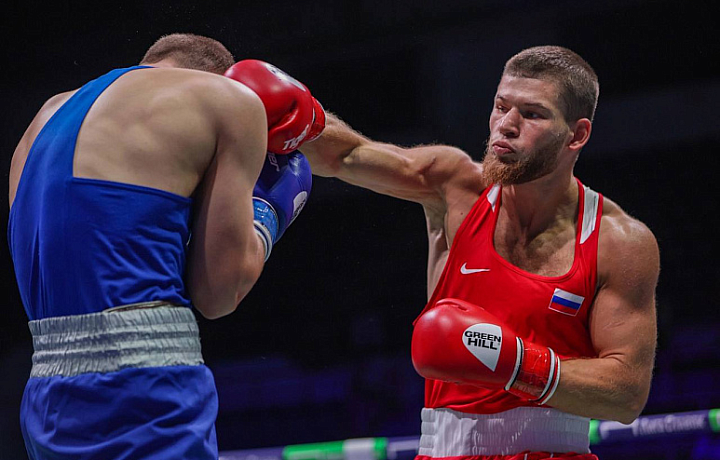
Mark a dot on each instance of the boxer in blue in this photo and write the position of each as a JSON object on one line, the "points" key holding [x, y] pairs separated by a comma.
{"points": [[102, 185]]}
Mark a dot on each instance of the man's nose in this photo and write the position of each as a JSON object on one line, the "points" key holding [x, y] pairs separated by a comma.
{"points": [[510, 123]]}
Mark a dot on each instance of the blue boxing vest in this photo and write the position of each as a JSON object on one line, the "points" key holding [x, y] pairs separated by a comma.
{"points": [[84, 245]]}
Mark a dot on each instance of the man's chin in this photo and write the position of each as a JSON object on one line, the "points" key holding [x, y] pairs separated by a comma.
{"points": [[506, 159], [497, 171]]}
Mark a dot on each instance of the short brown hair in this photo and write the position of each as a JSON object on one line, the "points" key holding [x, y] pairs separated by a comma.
{"points": [[578, 83], [190, 51]]}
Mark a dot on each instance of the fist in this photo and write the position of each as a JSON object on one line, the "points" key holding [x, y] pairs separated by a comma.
{"points": [[457, 341], [294, 116], [460, 342], [279, 195]]}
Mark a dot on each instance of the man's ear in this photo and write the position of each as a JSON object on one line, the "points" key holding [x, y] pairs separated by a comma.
{"points": [[581, 134]]}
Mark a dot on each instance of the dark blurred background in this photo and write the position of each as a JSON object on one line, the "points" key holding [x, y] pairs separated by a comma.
{"points": [[320, 349]]}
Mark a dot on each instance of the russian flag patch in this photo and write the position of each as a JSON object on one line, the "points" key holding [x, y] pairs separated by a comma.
{"points": [[566, 302]]}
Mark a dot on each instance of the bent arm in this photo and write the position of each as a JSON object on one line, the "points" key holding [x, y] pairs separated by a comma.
{"points": [[623, 329], [416, 174], [226, 254]]}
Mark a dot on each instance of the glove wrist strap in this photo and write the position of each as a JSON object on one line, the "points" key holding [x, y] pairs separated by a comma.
{"points": [[264, 237], [265, 220], [538, 374]]}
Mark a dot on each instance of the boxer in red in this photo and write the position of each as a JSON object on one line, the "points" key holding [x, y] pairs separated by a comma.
{"points": [[541, 311]]}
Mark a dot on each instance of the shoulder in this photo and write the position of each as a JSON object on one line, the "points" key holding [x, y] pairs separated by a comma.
{"points": [[52, 105], [453, 179], [47, 110], [451, 173], [621, 228], [236, 96], [216, 88], [448, 168], [627, 248], [189, 86], [447, 158], [57, 100], [220, 97]]}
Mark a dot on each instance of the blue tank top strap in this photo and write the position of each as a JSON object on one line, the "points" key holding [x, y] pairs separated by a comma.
{"points": [[68, 119]]}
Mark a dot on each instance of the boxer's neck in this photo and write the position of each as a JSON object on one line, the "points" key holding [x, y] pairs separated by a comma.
{"points": [[536, 206]]}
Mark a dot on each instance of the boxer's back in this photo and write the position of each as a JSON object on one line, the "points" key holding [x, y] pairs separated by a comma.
{"points": [[152, 127], [100, 191]]}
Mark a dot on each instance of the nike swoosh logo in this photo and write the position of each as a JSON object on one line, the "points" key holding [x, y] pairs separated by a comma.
{"points": [[467, 271]]}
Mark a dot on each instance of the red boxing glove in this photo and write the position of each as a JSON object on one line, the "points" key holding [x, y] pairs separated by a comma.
{"points": [[293, 115], [459, 342]]}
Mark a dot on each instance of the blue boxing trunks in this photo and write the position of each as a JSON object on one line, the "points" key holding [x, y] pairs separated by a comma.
{"points": [[125, 383]]}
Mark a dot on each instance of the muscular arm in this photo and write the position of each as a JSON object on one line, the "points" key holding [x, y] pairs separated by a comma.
{"points": [[418, 174], [226, 255], [443, 179], [615, 385]]}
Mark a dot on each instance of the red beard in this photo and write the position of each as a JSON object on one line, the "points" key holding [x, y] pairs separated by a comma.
{"points": [[538, 164]]}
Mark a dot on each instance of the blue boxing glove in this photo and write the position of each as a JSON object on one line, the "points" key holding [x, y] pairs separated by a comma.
{"points": [[279, 195]]}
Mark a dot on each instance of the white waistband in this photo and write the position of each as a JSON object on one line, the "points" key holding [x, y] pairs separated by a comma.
{"points": [[115, 339], [449, 433]]}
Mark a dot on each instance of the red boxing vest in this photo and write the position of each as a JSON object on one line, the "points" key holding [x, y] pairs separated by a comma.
{"points": [[548, 310]]}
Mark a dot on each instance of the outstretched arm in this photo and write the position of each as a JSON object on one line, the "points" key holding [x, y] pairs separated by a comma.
{"points": [[419, 174]]}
